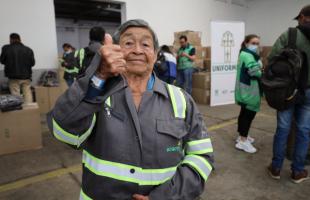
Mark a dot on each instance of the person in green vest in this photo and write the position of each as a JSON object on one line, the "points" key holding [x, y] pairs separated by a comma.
{"points": [[247, 90], [68, 62], [185, 59]]}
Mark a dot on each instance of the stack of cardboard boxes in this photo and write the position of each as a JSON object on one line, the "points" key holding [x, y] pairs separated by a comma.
{"points": [[201, 80], [20, 130], [201, 87]]}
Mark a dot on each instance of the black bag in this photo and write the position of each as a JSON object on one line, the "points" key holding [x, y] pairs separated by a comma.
{"points": [[161, 66], [285, 76], [88, 57]]}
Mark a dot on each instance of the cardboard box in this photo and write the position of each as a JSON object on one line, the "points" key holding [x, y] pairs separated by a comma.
{"points": [[193, 37], [201, 96], [20, 130], [201, 80], [198, 63], [42, 98], [54, 93], [199, 52], [207, 64], [206, 53], [46, 97]]}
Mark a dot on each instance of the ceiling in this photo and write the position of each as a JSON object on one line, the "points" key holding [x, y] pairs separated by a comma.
{"points": [[88, 10]]}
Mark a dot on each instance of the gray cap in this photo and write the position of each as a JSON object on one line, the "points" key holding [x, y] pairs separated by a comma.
{"points": [[134, 23]]}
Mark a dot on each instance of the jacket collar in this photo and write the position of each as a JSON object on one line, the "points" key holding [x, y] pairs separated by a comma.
{"points": [[256, 56], [158, 85]]}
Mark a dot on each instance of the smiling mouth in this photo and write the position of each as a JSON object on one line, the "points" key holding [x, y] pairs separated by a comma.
{"points": [[136, 60]]}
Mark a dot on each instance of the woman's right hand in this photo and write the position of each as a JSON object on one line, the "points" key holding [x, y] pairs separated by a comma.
{"points": [[112, 59]]}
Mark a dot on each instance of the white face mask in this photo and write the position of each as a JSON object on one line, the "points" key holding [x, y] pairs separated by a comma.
{"points": [[253, 48]]}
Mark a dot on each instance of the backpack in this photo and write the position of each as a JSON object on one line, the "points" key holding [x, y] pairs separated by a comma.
{"points": [[285, 76], [84, 57], [161, 66]]}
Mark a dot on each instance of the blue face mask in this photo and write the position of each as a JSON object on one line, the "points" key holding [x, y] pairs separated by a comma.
{"points": [[253, 48]]}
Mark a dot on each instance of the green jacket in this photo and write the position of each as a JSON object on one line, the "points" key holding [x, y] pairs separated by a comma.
{"points": [[184, 62], [302, 44], [247, 90]]}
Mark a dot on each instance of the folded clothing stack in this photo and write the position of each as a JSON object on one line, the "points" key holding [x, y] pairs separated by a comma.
{"points": [[10, 102]]}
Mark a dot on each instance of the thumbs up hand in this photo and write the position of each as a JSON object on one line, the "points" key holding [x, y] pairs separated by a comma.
{"points": [[112, 59]]}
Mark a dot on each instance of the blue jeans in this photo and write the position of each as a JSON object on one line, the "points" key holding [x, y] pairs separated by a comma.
{"points": [[184, 79], [284, 118]]}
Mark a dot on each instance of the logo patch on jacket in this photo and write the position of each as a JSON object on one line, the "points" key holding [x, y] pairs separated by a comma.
{"points": [[173, 149]]}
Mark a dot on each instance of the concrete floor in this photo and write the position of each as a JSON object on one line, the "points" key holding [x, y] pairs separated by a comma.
{"points": [[237, 175]]}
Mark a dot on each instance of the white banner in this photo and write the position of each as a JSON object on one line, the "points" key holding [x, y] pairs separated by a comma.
{"points": [[226, 39]]}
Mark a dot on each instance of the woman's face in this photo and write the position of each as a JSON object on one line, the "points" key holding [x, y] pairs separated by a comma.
{"points": [[253, 41]]}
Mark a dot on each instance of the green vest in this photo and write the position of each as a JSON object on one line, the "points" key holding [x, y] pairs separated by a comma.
{"points": [[247, 90], [184, 62]]}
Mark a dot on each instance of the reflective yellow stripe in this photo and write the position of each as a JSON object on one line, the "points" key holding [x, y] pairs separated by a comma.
{"points": [[199, 146], [177, 100], [69, 138], [108, 102], [82, 55], [200, 164], [128, 173], [83, 196], [70, 71]]}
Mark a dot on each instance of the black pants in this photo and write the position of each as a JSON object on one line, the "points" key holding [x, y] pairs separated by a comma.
{"points": [[245, 120]]}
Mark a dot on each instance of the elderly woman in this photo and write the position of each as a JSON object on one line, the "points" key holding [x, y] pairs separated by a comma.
{"points": [[141, 138]]}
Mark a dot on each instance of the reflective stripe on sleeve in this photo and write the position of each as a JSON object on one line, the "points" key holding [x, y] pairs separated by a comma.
{"points": [[83, 196], [199, 146], [69, 138], [200, 164], [70, 71], [178, 101], [108, 102], [127, 173]]}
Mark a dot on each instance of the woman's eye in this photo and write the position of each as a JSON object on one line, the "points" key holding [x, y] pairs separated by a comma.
{"points": [[146, 45], [128, 43]]}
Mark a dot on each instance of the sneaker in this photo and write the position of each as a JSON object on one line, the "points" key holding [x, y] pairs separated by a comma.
{"points": [[300, 176], [245, 146], [273, 173], [250, 139]]}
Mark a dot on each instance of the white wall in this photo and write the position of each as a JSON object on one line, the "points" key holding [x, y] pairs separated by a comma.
{"points": [[34, 20], [269, 18], [169, 16]]}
